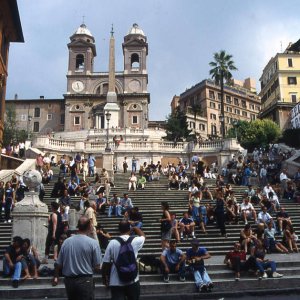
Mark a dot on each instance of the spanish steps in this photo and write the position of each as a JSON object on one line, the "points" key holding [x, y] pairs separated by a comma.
{"points": [[149, 201]]}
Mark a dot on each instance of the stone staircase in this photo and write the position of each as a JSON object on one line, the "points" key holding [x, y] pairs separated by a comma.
{"points": [[149, 201]]}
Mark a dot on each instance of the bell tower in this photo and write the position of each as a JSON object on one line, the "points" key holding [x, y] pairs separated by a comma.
{"points": [[82, 51]]}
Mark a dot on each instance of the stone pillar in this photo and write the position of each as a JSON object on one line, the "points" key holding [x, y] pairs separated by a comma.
{"points": [[108, 163], [30, 215]]}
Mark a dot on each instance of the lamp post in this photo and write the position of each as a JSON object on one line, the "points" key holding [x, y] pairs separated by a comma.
{"points": [[235, 123], [28, 125], [222, 121], [108, 116]]}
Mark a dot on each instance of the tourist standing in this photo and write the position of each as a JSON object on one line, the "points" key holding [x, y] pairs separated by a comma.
{"points": [[91, 164], [78, 272], [121, 289]]}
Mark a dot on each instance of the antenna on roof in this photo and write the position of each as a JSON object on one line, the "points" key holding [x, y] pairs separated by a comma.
{"points": [[281, 46], [83, 17]]}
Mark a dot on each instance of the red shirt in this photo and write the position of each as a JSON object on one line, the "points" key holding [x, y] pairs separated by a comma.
{"points": [[232, 254]]}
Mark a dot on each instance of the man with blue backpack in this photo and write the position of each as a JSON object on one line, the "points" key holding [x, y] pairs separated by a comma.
{"points": [[120, 269]]}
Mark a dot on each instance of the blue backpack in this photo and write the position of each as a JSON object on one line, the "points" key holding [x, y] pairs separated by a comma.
{"points": [[126, 264]]}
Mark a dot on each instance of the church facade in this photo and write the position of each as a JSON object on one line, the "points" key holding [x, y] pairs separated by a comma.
{"points": [[87, 90], [83, 104]]}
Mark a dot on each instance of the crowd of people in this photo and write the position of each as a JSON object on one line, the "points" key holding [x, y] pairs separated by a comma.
{"points": [[267, 225]]}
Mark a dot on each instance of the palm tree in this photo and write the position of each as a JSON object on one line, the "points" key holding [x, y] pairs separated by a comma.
{"points": [[221, 67]]}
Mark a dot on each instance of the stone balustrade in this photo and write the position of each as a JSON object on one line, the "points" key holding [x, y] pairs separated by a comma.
{"points": [[48, 143]]}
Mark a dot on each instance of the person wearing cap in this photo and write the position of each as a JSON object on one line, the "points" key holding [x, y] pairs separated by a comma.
{"points": [[195, 258], [173, 261], [78, 273]]}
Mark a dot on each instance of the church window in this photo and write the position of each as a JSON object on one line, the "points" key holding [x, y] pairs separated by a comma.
{"points": [[49, 116], [77, 120], [79, 62], [77, 107], [36, 127], [62, 119], [135, 61], [37, 112], [134, 119], [104, 88]]}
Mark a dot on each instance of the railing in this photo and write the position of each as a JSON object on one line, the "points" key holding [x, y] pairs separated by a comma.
{"points": [[48, 144]]}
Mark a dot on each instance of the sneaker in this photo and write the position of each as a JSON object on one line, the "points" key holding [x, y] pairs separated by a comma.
{"points": [[276, 275], [237, 279], [166, 278], [15, 284], [9, 221], [5, 221], [182, 278], [246, 222], [210, 286], [202, 288], [265, 275], [193, 236]]}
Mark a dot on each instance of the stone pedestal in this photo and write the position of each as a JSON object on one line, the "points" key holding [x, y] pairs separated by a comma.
{"points": [[30, 215], [108, 162]]}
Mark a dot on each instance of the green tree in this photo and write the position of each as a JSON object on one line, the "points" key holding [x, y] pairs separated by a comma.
{"points": [[11, 133], [220, 72], [177, 126], [196, 110], [258, 133]]}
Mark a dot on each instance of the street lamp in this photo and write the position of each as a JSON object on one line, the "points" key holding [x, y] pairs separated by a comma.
{"points": [[108, 116], [222, 121], [28, 125], [235, 123]]}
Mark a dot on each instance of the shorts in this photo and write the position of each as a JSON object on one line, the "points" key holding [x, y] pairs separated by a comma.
{"points": [[167, 235]]}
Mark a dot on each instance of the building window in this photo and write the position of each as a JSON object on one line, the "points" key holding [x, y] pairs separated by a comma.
{"points": [[219, 106], [23, 117], [211, 95], [244, 105], [213, 129], [236, 101], [202, 127], [251, 106], [219, 96], [77, 120], [290, 62], [135, 61], [49, 105], [192, 125], [213, 116], [294, 98], [37, 112], [36, 127], [79, 62], [229, 109], [228, 99], [62, 119], [237, 111], [244, 113], [134, 119], [257, 107], [212, 105], [252, 117], [49, 116], [292, 80]]}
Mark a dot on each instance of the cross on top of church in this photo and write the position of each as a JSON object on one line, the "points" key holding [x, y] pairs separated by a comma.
{"points": [[112, 30]]}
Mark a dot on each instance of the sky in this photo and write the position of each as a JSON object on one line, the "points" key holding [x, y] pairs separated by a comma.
{"points": [[182, 36]]}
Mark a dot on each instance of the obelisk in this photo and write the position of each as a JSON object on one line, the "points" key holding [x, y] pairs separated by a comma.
{"points": [[111, 105]]}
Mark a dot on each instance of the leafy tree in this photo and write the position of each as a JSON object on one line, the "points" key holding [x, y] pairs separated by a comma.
{"points": [[11, 133], [177, 126], [258, 133], [220, 72]]}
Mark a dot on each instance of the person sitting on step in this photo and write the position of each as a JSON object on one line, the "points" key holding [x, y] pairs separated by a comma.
{"points": [[187, 226], [142, 182], [247, 210], [132, 182], [173, 181], [173, 261], [114, 206], [195, 258]]}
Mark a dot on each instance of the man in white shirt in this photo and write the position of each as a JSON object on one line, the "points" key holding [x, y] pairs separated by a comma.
{"points": [[247, 210], [119, 289], [267, 189], [283, 181], [264, 217]]}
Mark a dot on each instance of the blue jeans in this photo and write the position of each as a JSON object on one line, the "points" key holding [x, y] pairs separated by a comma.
{"points": [[133, 167], [201, 277], [91, 171], [181, 271], [117, 210], [262, 266], [16, 270]]}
